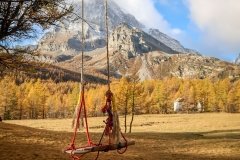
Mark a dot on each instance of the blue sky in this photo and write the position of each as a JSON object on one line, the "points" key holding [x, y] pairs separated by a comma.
{"points": [[174, 12], [177, 13], [211, 27]]}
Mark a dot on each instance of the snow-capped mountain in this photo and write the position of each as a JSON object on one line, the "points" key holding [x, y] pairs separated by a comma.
{"points": [[66, 38], [131, 41], [134, 52], [134, 49], [94, 11], [170, 42]]}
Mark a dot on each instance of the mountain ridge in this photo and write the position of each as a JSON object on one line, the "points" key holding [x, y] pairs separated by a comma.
{"points": [[134, 51], [66, 40], [237, 61]]}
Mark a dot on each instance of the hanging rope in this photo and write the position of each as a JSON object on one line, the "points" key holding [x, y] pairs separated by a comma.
{"points": [[81, 107], [107, 41], [83, 46], [112, 128], [81, 103]]}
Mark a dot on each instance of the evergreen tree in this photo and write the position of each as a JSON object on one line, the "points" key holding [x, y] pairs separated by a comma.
{"points": [[122, 98]]}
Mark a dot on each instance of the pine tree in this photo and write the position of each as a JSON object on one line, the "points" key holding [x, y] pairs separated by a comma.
{"points": [[122, 98], [21, 96], [163, 98], [135, 96], [237, 85], [222, 89], [232, 101], [212, 99]]}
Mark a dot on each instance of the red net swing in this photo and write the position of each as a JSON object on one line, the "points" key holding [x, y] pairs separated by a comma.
{"points": [[112, 131]]}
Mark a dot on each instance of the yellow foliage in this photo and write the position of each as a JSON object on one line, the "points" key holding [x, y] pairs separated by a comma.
{"points": [[47, 99]]}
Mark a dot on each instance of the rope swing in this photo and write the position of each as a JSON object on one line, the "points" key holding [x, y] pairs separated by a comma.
{"points": [[80, 110], [112, 130]]}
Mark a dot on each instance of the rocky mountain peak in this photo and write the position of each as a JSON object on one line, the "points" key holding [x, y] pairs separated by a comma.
{"points": [[131, 41], [237, 61], [170, 42], [65, 39], [95, 13], [128, 41]]}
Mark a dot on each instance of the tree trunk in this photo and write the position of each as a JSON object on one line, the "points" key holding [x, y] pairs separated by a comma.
{"points": [[43, 112], [133, 107], [125, 114], [159, 107], [31, 113], [20, 112], [5, 113], [133, 113]]}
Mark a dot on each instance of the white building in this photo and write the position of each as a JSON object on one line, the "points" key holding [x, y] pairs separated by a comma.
{"points": [[177, 105]]}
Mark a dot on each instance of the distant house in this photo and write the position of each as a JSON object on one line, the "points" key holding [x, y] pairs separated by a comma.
{"points": [[177, 105], [200, 107]]}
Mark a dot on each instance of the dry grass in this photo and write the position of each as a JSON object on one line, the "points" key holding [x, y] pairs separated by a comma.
{"points": [[196, 136], [149, 123]]}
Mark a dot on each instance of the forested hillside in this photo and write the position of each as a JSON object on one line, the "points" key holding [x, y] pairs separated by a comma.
{"points": [[35, 99]]}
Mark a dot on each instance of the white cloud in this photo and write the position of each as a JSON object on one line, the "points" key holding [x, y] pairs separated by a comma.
{"points": [[218, 20], [146, 13]]}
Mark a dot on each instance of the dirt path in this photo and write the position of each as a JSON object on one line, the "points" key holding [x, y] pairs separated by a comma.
{"points": [[23, 143]]}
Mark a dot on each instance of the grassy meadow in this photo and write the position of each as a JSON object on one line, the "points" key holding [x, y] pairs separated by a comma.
{"points": [[176, 136], [168, 123]]}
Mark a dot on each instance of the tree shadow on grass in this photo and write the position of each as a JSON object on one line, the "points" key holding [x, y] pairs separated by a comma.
{"points": [[17, 142]]}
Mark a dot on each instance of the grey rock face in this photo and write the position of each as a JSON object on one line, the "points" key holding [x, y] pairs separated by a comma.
{"points": [[237, 61], [42, 58], [131, 42], [66, 38], [170, 42]]}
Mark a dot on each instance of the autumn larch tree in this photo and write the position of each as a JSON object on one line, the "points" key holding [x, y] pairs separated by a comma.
{"points": [[135, 95]]}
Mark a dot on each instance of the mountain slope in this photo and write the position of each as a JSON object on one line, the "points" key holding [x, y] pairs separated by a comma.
{"points": [[131, 41], [237, 61], [133, 52], [65, 39], [154, 65], [170, 42]]}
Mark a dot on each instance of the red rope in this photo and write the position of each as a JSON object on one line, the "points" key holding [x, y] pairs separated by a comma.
{"points": [[109, 122], [108, 108], [72, 146], [86, 121], [125, 149]]}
